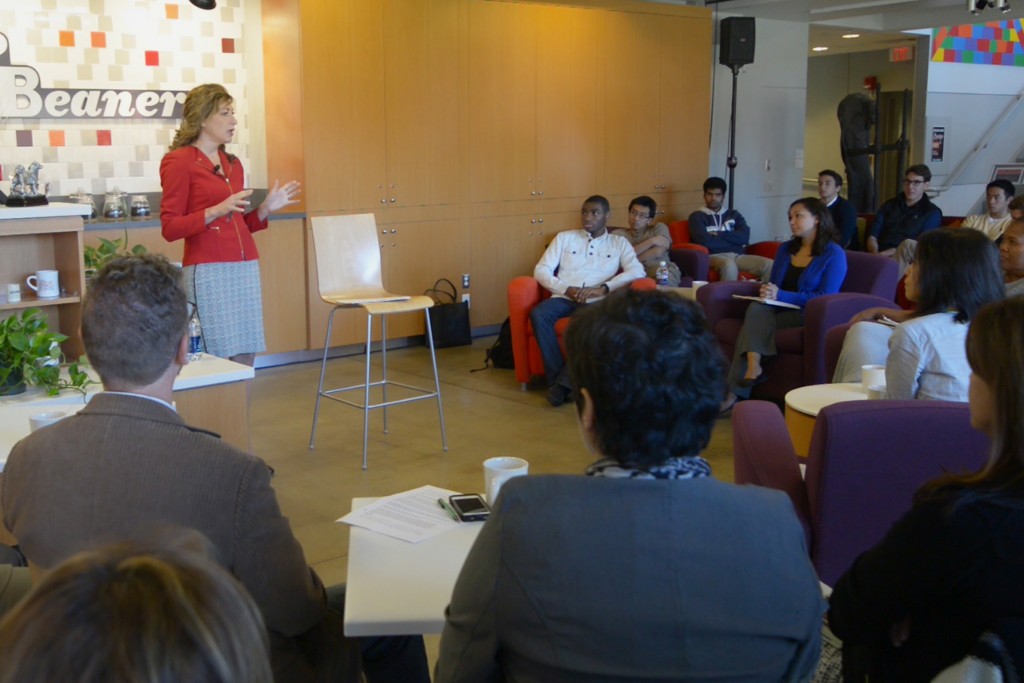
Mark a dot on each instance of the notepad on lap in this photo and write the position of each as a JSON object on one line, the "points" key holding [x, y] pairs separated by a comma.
{"points": [[770, 302]]}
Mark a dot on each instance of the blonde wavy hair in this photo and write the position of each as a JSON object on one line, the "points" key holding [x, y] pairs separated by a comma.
{"points": [[200, 103], [129, 613]]}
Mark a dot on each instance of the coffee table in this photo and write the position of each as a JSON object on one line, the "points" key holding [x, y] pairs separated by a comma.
{"points": [[398, 588], [804, 403]]}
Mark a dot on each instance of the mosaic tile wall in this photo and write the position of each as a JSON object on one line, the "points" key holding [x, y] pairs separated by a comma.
{"points": [[119, 44]]}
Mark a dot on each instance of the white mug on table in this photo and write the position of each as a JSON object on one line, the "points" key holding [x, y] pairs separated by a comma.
{"points": [[45, 283], [872, 375], [499, 470]]}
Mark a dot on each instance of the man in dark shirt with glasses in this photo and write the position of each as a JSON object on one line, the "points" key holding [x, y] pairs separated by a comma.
{"points": [[902, 219]]}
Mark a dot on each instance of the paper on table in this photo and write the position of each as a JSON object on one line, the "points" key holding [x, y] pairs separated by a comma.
{"points": [[770, 302], [410, 516]]}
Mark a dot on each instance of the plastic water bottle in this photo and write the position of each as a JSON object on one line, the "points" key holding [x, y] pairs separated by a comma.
{"points": [[195, 338], [661, 275]]}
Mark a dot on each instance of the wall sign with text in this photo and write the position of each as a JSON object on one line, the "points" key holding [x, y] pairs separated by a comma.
{"points": [[22, 97]]}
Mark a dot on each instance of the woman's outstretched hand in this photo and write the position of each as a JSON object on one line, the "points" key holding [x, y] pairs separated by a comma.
{"points": [[279, 197]]}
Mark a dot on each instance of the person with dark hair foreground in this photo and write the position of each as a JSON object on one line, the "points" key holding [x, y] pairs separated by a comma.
{"points": [[647, 569], [954, 274], [809, 265], [128, 460], [951, 568], [137, 613]]}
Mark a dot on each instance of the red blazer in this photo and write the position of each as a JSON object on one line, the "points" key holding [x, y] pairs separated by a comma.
{"points": [[190, 186]]}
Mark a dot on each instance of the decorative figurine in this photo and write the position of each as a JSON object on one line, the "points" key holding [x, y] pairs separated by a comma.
{"points": [[25, 186]]}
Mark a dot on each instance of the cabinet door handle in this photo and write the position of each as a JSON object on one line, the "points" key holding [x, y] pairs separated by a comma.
{"points": [[392, 200], [541, 193], [541, 220], [533, 194], [533, 220], [383, 201]]}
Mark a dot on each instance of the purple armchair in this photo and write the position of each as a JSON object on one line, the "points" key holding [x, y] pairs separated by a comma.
{"points": [[870, 281], [867, 459]]}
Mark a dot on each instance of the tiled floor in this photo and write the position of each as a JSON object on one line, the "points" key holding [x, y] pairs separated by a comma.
{"points": [[486, 414]]}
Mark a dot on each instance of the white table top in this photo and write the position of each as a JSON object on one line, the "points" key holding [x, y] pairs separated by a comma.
{"points": [[15, 410], [399, 588], [50, 210], [811, 399]]}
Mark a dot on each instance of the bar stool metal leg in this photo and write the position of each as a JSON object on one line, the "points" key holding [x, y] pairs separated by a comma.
{"points": [[384, 369], [323, 369], [437, 382], [366, 388]]}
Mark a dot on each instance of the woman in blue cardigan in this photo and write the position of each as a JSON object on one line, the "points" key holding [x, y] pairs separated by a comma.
{"points": [[809, 265]]}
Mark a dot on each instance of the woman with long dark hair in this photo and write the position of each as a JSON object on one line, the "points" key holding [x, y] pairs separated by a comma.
{"points": [[952, 567], [811, 264], [954, 274]]}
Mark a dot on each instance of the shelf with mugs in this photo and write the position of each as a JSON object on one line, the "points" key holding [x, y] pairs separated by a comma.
{"points": [[41, 238]]}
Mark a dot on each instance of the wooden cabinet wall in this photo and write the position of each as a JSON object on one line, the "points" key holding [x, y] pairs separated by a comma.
{"points": [[474, 129]]}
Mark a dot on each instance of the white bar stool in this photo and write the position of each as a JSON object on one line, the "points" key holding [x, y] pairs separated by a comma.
{"points": [[349, 275]]}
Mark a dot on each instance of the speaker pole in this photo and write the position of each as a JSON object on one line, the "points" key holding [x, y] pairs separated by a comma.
{"points": [[731, 160]]}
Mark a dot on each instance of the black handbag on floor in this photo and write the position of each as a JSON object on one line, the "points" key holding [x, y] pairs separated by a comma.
{"points": [[449, 319]]}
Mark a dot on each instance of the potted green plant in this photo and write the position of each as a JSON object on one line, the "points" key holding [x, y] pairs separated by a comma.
{"points": [[95, 257], [30, 354]]}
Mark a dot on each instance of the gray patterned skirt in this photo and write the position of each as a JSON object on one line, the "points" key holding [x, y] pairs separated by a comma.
{"points": [[230, 304]]}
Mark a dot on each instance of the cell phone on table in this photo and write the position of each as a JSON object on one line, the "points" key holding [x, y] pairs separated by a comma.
{"points": [[470, 507]]}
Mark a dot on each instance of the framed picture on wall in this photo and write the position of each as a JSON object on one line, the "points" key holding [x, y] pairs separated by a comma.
{"points": [[1012, 172]]}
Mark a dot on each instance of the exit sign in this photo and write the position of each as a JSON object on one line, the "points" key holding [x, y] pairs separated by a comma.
{"points": [[901, 54]]}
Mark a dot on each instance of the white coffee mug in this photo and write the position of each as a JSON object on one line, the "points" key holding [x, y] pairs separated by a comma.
{"points": [[40, 420], [872, 375], [876, 392], [45, 284], [13, 293], [499, 470]]}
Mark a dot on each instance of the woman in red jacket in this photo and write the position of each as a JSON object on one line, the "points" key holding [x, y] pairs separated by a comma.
{"points": [[204, 202]]}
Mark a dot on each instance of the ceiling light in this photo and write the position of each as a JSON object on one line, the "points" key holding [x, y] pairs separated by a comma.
{"points": [[820, 48], [851, 35]]}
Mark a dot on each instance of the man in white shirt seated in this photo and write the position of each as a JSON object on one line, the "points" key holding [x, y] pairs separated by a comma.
{"points": [[578, 267], [998, 195]]}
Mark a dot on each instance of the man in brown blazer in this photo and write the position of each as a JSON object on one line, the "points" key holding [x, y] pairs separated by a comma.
{"points": [[127, 461]]}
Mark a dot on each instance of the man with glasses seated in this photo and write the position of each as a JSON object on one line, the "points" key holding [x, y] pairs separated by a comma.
{"points": [[902, 219], [651, 240]]}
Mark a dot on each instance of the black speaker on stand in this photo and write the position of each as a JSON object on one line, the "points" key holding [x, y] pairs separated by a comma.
{"points": [[735, 49]]}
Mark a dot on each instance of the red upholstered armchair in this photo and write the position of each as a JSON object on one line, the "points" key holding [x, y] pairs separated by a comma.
{"points": [[870, 281], [853, 490], [523, 294]]}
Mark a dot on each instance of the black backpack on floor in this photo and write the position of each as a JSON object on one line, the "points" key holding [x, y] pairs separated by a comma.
{"points": [[500, 353]]}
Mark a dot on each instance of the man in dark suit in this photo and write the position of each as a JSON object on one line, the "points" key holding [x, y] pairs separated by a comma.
{"points": [[127, 461], [648, 569], [843, 213]]}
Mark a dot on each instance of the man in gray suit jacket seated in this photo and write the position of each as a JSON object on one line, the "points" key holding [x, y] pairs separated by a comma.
{"points": [[127, 461], [648, 569]]}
